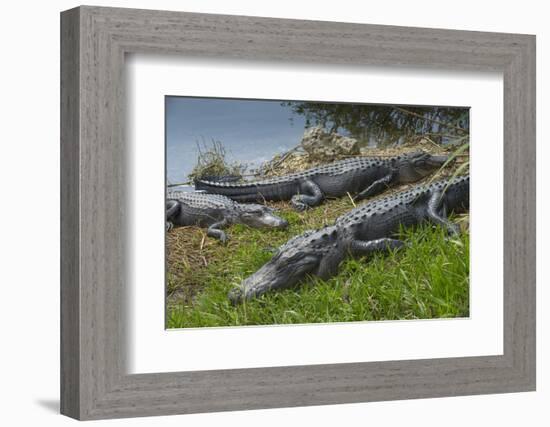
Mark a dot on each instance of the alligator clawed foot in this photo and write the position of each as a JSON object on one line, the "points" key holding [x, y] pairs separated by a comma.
{"points": [[169, 226], [406, 245], [298, 205], [236, 296], [453, 231]]}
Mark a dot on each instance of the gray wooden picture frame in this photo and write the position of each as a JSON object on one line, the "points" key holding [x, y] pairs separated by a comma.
{"points": [[94, 381]]}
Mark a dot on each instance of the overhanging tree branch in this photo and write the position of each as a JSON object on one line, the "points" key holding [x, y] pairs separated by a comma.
{"points": [[420, 116]]}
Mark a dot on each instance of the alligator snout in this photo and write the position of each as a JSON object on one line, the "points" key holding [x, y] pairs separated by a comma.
{"points": [[260, 282], [260, 216], [273, 221], [437, 160], [418, 165], [312, 253]]}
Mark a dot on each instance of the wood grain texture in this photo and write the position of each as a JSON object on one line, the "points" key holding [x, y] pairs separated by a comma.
{"points": [[70, 263], [94, 272]]}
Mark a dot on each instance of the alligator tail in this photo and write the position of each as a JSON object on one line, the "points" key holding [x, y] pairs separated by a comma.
{"points": [[248, 191], [218, 178]]}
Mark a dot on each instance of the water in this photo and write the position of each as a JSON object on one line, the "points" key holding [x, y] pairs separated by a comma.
{"points": [[252, 132], [182, 188]]}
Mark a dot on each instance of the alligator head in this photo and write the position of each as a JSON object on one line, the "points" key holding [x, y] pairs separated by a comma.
{"points": [[259, 216], [418, 164], [314, 253]]}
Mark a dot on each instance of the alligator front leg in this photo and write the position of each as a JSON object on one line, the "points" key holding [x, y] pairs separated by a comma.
{"points": [[434, 215], [214, 231], [377, 187], [312, 196], [366, 247], [172, 208]]}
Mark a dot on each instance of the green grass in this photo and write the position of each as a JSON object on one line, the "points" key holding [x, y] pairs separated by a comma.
{"points": [[427, 280]]}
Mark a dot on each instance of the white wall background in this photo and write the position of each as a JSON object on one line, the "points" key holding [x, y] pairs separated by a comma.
{"points": [[29, 225]]}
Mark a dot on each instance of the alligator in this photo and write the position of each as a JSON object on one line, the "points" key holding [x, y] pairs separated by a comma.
{"points": [[365, 229], [215, 212], [360, 176]]}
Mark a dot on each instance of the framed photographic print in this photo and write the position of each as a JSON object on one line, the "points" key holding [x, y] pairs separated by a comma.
{"points": [[304, 187], [261, 213]]}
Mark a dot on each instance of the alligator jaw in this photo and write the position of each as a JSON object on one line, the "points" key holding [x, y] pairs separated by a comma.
{"points": [[312, 253], [259, 216], [437, 161], [270, 220], [419, 165], [283, 271], [263, 280]]}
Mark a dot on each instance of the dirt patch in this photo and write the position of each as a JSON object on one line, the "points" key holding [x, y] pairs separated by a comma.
{"points": [[188, 251]]}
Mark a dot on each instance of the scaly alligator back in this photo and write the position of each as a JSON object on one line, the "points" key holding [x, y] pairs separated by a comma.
{"points": [[383, 217], [201, 209]]}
